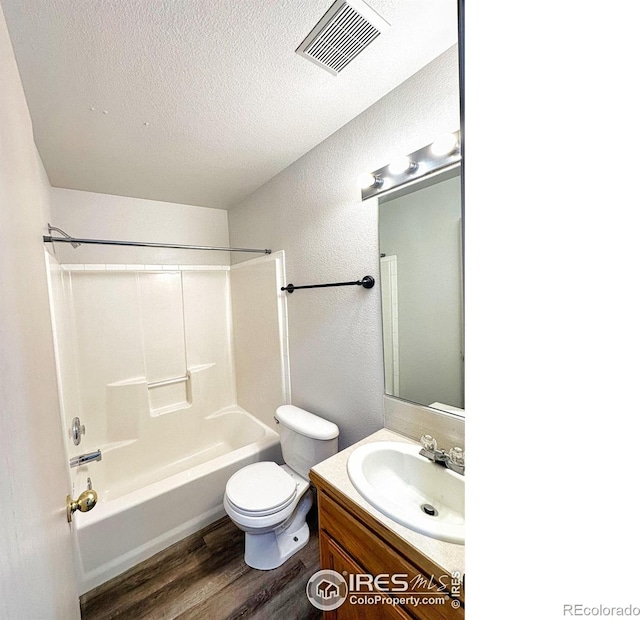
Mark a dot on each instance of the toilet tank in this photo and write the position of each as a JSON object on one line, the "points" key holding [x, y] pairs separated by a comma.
{"points": [[305, 438]]}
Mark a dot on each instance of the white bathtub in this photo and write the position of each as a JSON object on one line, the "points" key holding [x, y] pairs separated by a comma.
{"points": [[147, 502]]}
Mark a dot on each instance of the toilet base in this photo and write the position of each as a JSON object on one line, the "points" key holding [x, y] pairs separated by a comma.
{"points": [[270, 550]]}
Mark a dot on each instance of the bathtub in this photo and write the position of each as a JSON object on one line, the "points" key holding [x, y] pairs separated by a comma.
{"points": [[147, 501]]}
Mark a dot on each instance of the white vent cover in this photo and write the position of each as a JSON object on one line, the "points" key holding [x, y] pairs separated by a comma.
{"points": [[342, 33]]}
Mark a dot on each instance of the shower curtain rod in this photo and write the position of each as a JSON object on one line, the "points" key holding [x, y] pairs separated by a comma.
{"points": [[75, 242]]}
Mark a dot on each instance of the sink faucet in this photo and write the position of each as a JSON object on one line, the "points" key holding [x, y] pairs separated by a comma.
{"points": [[454, 459]]}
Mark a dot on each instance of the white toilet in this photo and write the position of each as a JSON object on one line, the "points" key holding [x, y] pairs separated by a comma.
{"points": [[270, 502]]}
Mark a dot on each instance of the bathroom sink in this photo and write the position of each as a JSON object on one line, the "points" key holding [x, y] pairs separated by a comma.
{"points": [[406, 487]]}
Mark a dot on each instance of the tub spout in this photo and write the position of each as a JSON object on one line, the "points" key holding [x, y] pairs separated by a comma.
{"points": [[81, 459]]}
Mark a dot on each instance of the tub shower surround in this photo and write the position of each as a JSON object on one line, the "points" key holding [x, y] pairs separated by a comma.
{"points": [[145, 358]]}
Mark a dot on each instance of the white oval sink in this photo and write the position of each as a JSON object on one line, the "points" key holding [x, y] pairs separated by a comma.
{"points": [[398, 482]]}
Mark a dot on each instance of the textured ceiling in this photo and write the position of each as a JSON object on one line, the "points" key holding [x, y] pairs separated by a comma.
{"points": [[193, 101]]}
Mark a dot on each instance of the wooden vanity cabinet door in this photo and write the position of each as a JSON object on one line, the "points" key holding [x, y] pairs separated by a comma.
{"points": [[342, 536], [333, 557]]}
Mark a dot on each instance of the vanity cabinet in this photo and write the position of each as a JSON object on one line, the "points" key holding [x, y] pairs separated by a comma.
{"points": [[352, 541]]}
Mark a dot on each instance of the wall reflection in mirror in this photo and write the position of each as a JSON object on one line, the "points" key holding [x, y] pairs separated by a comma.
{"points": [[421, 279]]}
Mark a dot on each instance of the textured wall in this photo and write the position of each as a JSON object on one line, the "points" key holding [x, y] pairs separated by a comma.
{"points": [[313, 211], [36, 571], [102, 216]]}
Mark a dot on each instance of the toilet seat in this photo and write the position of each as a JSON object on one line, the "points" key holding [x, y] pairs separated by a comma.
{"points": [[261, 489]]}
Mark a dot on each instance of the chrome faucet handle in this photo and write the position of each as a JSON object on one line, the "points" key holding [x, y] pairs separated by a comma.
{"points": [[456, 456], [456, 460], [429, 443], [77, 430]]}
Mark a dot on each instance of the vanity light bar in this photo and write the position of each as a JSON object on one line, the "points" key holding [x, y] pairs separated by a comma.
{"points": [[443, 152]]}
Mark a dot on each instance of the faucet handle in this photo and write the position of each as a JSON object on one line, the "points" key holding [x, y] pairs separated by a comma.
{"points": [[77, 430], [429, 443], [456, 456]]}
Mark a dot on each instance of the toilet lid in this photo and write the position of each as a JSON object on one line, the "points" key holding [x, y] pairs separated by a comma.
{"points": [[261, 489]]}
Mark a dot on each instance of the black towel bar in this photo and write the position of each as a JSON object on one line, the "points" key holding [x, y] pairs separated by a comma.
{"points": [[366, 282]]}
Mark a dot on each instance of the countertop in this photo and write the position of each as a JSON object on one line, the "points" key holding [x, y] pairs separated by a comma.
{"points": [[447, 556]]}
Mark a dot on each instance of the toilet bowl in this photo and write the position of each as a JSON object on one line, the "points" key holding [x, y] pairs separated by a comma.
{"points": [[270, 502], [274, 517]]}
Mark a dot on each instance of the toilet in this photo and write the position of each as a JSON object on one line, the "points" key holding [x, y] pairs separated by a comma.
{"points": [[270, 502]]}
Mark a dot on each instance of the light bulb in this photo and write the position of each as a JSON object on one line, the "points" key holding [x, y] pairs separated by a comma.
{"points": [[400, 164], [367, 180], [444, 144], [403, 164]]}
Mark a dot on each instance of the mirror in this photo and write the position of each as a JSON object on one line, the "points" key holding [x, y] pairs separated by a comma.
{"points": [[421, 267]]}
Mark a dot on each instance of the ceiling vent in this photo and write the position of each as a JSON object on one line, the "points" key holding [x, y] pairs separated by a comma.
{"points": [[343, 32]]}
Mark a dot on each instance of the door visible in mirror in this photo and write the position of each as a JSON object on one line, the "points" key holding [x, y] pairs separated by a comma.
{"points": [[421, 277]]}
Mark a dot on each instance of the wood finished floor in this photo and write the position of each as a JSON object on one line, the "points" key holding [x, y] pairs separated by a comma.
{"points": [[204, 577]]}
